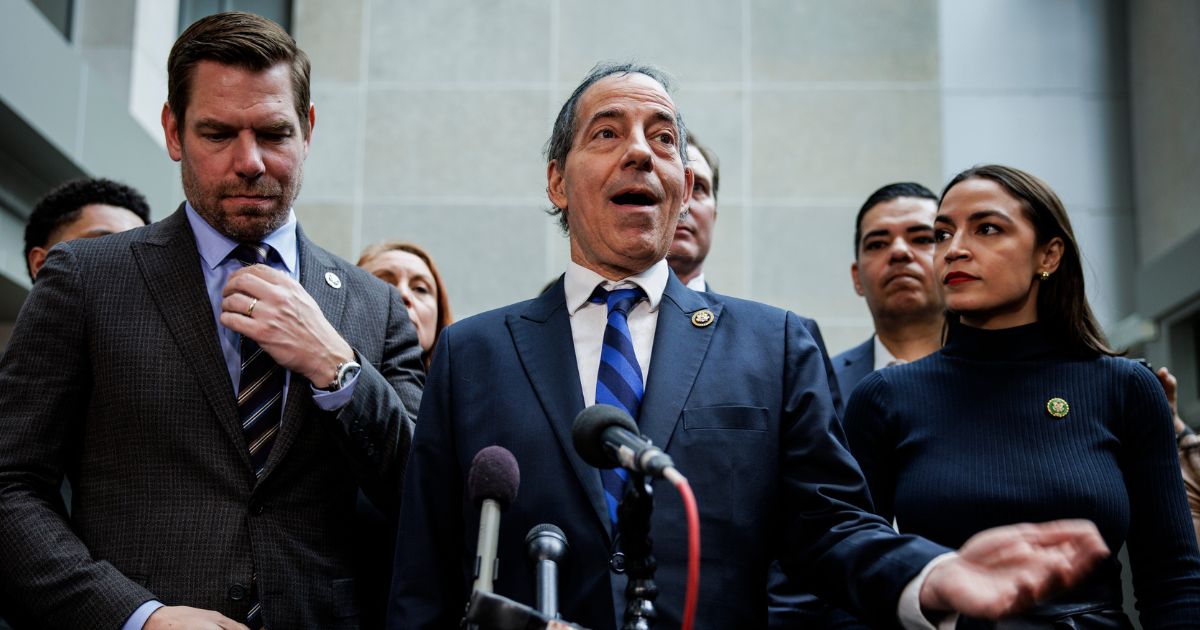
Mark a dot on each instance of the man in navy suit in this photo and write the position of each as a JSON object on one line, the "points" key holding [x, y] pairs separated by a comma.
{"points": [[735, 393], [893, 270]]}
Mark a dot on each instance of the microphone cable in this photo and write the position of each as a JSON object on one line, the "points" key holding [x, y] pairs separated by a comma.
{"points": [[692, 594]]}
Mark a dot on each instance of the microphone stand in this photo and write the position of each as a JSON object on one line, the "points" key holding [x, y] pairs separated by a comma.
{"points": [[633, 521]]}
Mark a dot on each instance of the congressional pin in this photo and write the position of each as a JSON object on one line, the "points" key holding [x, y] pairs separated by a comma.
{"points": [[333, 280], [702, 318], [1058, 407]]}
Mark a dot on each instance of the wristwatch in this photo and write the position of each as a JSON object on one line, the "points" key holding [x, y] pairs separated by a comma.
{"points": [[344, 373]]}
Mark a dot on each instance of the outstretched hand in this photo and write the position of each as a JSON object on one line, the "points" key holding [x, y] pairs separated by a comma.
{"points": [[1002, 571]]}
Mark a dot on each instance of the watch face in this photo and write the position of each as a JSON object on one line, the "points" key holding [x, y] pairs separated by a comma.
{"points": [[347, 373]]}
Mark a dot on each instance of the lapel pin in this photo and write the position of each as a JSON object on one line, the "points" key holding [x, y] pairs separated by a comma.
{"points": [[702, 318], [1058, 407], [333, 280]]}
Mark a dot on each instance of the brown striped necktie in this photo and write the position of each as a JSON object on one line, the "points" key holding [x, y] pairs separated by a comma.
{"points": [[260, 385], [259, 401]]}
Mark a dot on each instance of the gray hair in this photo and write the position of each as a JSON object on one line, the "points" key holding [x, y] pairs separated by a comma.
{"points": [[563, 135]]}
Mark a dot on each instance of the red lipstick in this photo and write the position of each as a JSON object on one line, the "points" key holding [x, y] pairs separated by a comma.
{"points": [[958, 277]]}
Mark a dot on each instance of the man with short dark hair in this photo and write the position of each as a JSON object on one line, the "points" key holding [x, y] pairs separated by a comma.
{"points": [[216, 387], [893, 271], [81, 208], [735, 392], [693, 234]]}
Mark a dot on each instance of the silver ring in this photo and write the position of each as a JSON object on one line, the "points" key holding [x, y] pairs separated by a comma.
{"points": [[250, 311]]}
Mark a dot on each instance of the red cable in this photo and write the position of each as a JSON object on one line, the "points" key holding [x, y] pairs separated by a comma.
{"points": [[693, 524]]}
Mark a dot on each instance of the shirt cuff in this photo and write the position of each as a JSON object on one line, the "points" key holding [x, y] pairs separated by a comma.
{"points": [[909, 607], [139, 616], [332, 401]]}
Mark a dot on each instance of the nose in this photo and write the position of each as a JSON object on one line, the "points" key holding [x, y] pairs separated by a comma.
{"points": [[637, 152], [900, 251], [247, 159], [955, 250], [406, 295]]}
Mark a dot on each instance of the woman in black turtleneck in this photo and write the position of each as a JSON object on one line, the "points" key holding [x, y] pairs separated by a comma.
{"points": [[1026, 415]]}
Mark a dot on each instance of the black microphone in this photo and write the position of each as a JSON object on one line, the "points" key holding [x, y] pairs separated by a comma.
{"points": [[606, 437], [547, 547], [492, 483]]}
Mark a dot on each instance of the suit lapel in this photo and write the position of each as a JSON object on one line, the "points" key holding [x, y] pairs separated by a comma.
{"points": [[170, 265], [315, 263], [542, 336], [679, 349]]}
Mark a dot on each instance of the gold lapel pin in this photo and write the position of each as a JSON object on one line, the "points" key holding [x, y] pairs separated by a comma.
{"points": [[702, 318], [1058, 407], [333, 280]]}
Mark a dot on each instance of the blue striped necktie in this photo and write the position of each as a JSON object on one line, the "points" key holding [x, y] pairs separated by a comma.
{"points": [[619, 381]]}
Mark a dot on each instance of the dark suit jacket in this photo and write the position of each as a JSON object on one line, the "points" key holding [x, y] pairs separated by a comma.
{"points": [[854, 364], [742, 406], [115, 378]]}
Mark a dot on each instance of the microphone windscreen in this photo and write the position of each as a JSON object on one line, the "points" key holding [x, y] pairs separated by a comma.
{"points": [[544, 528], [494, 475], [588, 429]]}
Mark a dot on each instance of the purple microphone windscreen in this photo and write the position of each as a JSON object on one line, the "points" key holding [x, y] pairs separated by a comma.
{"points": [[494, 475], [588, 428]]}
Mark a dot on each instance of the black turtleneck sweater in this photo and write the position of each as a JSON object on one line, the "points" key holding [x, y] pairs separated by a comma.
{"points": [[962, 441]]}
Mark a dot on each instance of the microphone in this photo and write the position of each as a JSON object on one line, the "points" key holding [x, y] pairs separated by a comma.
{"points": [[606, 437], [547, 547], [492, 483]]}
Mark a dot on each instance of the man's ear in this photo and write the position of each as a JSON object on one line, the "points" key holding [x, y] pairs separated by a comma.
{"points": [[312, 124], [689, 180], [854, 276], [37, 258], [171, 133], [556, 186]]}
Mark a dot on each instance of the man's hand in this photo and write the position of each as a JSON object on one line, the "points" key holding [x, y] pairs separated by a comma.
{"points": [[185, 618], [1004, 570], [285, 321]]}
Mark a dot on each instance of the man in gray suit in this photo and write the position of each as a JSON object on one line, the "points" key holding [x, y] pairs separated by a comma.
{"points": [[893, 271], [215, 385]]}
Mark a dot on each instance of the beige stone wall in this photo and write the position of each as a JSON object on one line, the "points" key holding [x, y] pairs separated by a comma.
{"points": [[1165, 89], [431, 118]]}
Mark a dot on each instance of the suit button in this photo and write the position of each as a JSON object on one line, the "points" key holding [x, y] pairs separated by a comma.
{"points": [[237, 592], [617, 562]]}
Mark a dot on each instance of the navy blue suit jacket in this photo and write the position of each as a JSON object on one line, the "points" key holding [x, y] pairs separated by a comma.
{"points": [[743, 407], [854, 365]]}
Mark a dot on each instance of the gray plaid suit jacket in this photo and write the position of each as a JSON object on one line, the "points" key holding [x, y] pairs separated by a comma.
{"points": [[114, 377]]}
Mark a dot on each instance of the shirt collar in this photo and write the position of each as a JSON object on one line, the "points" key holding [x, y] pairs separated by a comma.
{"points": [[215, 247], [698, 283], [883, 356], [580, 282]]}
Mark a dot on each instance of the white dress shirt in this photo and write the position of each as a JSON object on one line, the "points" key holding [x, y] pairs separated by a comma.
{"points": [[588, 319]]}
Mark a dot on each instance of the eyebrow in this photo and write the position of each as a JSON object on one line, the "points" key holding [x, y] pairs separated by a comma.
{"points": [[912, 229], [275, 126], [615, 112], [977, 216]]}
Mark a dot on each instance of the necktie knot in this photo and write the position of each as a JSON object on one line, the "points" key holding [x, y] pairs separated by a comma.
{"points": [[618, 300], [252, 254]]}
